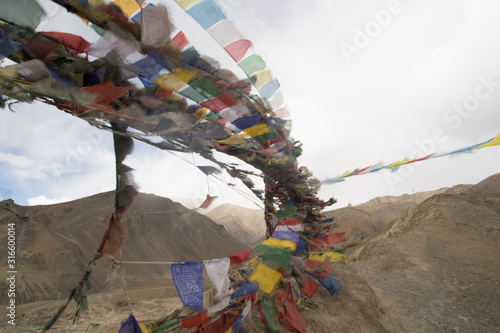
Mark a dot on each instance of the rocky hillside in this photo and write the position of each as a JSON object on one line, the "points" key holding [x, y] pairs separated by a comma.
{"points": [[436, 267], [159, 230], [245, 224]]}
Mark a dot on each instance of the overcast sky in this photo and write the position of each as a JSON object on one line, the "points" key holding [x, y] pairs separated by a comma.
{"points": [[366, 82]]}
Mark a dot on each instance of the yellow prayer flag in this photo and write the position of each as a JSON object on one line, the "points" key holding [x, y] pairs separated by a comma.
{"points": [[266, 277], [200, 113], [128, 7], [175, 80], [400, 163], [257, 130], [261, 78], [232, 140], [9, 71], [186, 3], [321, 256], [280, 243], [494, 142]]}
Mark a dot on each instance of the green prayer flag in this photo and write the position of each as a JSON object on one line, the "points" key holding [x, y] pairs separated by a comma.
{"points": [[274, 255], [285, 211], [269, 314], [23, 13], [206, 88], [252, 64]]}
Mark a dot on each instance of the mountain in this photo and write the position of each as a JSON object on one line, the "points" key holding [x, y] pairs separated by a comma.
{"points": [[245, 224], [53, 253]]}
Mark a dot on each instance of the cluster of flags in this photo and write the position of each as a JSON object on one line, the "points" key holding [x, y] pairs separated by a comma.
{"points": [[266, 274]]}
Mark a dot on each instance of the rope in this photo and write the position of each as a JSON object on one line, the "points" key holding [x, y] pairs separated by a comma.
{"points": [[124, 287]]}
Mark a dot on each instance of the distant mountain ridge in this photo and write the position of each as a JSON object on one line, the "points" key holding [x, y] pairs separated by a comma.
{"points": [[359, 221], [245, 224]]}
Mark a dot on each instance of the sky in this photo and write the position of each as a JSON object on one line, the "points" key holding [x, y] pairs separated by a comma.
{"points": [[365, 82]]}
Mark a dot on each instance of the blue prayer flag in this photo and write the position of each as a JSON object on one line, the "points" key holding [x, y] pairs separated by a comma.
{"points": [[188, 280], [130, 326], [206, 13], [246, 288]]}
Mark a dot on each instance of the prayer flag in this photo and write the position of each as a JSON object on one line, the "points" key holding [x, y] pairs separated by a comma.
{"points": [[186, 3], [266, 277], [238, 49], [224, 32], [280, 243], [240, 257], [188, 280], [23, 13], [217, 272], [252, 64], [246, 288], [195, 320], [130, 326], [206, 13], [180, 40]]}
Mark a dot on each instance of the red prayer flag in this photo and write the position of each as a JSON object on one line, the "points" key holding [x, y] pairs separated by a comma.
{"points": [[195, 320], [180, 40], [238, 49], [219, 103], [73, 43], [321, 269], [208, 201], [326, 242], [293, 320], [289, 222], [310, 287], [114, 238], [107, 92], [240, 257]]}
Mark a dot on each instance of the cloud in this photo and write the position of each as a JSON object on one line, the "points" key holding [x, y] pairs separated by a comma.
{"points": [[43, 200], [16, 161]]}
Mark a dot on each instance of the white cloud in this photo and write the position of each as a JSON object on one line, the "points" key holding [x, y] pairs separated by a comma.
{"points": [[17, 161], [43, 200]]}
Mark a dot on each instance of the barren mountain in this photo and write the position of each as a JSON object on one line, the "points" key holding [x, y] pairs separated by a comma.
{"points": [[245, 224], [159, 230]]}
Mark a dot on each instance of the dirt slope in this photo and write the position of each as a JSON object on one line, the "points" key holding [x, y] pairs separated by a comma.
{"points": [[436, 268]]}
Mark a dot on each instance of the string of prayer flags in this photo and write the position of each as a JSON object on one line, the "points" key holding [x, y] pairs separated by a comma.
{"points": [[495, 141], [188, 280]]}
